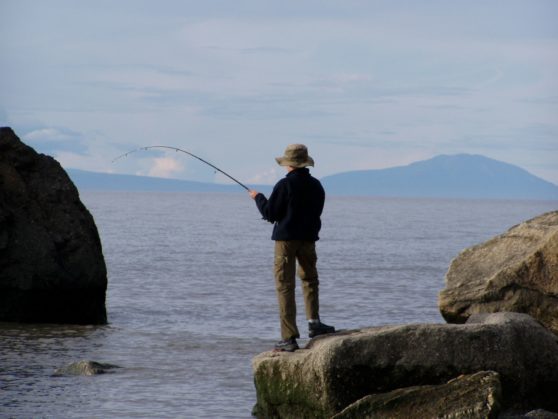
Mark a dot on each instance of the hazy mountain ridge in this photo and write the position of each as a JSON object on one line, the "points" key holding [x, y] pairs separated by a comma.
{"points": [[443, 176], [448, 176], [117, 182]]}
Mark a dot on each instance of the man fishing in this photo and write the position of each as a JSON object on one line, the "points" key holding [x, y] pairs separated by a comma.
{"points": [[295, 207]]}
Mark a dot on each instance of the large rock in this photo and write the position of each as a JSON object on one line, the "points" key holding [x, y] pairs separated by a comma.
{"points": [[337, 370], [516, 271], [51, 262], [468, 396]]}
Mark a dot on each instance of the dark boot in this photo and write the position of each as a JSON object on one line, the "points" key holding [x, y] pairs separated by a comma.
{"points": [[287, 345], [319, 328]]}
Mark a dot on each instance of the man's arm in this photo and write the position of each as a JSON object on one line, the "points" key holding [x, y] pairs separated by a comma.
{"points": [[274, 208]]}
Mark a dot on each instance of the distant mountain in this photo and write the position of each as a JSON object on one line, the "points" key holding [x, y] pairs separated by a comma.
{"points": [[455, 176], [113, 182]]}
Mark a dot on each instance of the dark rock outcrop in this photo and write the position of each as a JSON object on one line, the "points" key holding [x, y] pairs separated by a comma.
{"points": [[516, 271], [85, 368], [468, 396], [335, 371], [51, 262]]}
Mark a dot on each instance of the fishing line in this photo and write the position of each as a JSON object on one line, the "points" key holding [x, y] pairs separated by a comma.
{"points": [[185, 152]]}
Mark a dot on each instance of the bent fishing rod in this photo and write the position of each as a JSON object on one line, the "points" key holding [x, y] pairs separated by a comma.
{"points": [[185, 152]]}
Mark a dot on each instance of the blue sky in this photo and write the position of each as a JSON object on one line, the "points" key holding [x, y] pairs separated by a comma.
{"points": [[364, 84]]}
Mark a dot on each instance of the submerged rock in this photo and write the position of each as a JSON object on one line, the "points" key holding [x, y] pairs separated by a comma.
{"points": [[516, 271], [337, 370], [51, 262], [85, 368], [541, 414], [468, 396]]}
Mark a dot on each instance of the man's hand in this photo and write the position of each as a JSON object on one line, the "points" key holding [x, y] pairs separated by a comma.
{"points": [[253, 193]]}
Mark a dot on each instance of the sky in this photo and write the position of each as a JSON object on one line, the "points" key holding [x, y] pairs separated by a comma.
{"points": [[364, 84]]}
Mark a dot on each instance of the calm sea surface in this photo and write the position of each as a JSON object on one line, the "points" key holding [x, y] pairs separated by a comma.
{"points": [[191, 297]]}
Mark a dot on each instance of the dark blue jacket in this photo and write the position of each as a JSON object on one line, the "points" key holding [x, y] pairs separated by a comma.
{"points": [[295, 206]]}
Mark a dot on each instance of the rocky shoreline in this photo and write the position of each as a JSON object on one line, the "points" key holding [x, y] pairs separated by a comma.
{"points": [[499, 359]]}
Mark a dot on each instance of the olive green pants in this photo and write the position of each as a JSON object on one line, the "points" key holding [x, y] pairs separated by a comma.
{"points": [[287, 253]]}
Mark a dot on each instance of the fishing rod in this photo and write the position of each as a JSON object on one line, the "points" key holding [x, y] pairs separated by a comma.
{"points": [[185, 152]]}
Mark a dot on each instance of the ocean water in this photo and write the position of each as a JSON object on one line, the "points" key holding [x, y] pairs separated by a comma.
{"points": [[191, 297]]}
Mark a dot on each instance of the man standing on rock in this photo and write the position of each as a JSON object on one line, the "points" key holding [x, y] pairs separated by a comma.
{"points": [[295, 207]]}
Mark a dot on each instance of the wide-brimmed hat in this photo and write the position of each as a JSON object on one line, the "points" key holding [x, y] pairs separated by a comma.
{"points": [[296, 155]]}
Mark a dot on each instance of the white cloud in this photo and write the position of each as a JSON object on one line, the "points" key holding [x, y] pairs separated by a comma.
{"points": [[93, 163], [267, 177], [53, 140], [48, 134], [165, 167]]}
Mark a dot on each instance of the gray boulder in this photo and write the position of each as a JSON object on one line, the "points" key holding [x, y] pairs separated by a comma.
{"points": [[467, 396], [84, 368], [51, 262], [516, 271], [336, 370]]}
